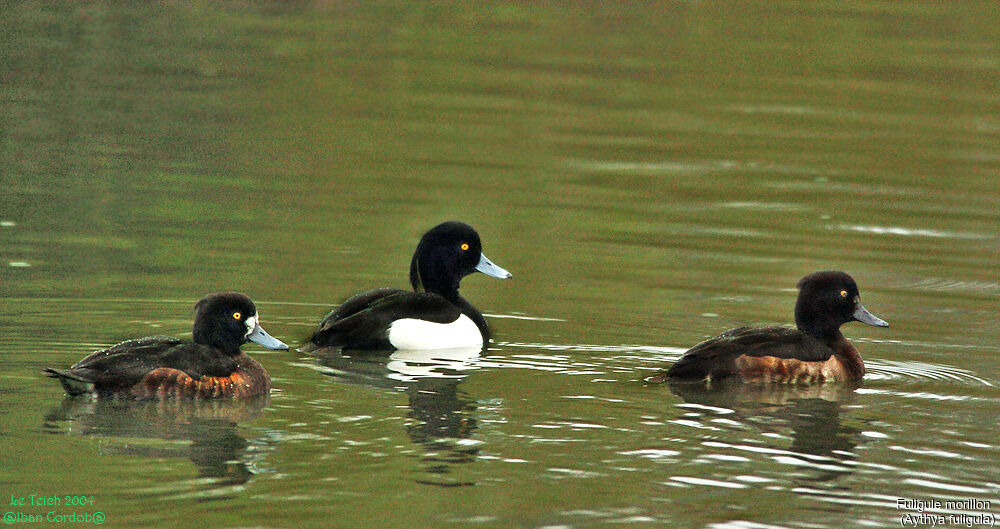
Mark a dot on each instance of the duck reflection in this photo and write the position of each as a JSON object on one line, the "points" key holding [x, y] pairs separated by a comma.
{"points": [[811, 415], [215, 445], [440, 417]]}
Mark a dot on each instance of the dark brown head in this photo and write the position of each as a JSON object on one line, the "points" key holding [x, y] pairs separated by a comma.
{"points": [[227, 320], [446, 254], [828, 300]]}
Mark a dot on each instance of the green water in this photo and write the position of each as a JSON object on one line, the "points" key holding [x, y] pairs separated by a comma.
{"points": [[651, 175]]}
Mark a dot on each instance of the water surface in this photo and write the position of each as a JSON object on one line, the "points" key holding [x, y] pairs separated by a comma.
{"points": [[650, 175]]}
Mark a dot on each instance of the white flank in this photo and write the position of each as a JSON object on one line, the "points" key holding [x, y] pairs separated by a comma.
{"points": [[409, 334]]}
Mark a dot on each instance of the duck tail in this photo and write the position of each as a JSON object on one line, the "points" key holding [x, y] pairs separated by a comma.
{"points": [[687, 368], [73, 384], [658, 378]]}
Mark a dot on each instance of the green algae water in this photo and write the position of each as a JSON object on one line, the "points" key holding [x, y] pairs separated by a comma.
{"points": [[651, 175]]}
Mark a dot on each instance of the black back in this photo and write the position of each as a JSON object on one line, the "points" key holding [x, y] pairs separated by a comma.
{"points": [[125, 364], [362, 321]]}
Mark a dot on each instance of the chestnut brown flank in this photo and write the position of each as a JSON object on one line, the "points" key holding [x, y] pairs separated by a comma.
{"points": [[248, 380], [844, 364]]}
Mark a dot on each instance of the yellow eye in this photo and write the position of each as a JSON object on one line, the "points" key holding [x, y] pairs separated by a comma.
{"points": [[843, 293], [236, 315], [465, 246]]}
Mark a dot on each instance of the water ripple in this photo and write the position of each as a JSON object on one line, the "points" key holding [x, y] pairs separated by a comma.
{"points": [[923, 395], [912, 232], [890, 369], [896, 503], [652, 453], [743, 524], [664, 167], [940, 284], [937, 485], [688, 480]]}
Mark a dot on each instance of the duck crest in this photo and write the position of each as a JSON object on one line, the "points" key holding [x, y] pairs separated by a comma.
{"points": [[428, 274], [415, 280]]}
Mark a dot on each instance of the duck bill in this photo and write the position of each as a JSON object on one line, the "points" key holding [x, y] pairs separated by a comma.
{"points": [[259, 336], [861, 314], [487, 267]]}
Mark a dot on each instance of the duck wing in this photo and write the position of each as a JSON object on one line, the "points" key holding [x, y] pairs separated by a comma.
{"points": [[125, 364], [362, 322]]}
